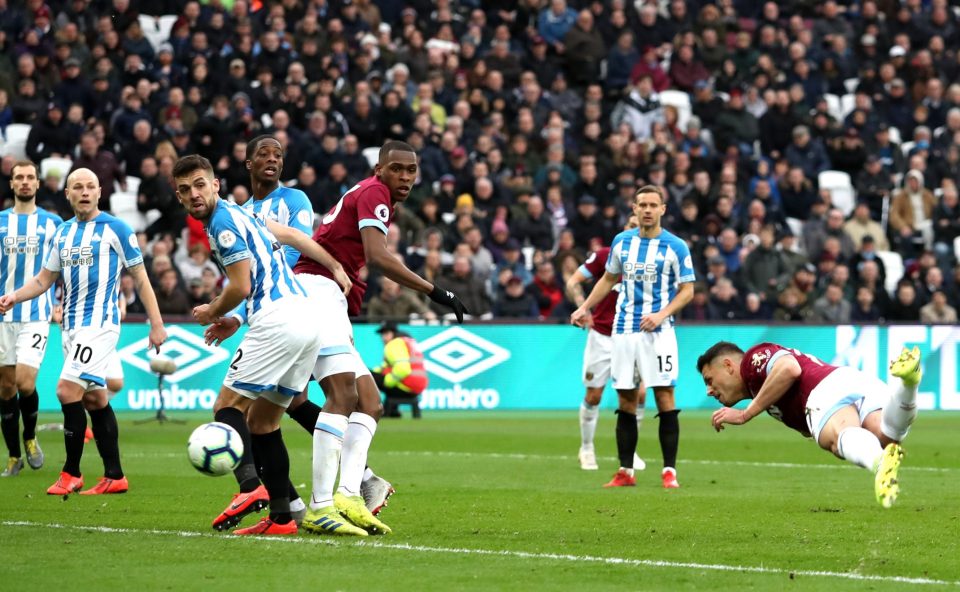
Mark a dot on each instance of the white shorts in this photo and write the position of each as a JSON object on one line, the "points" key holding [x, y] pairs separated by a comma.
{"points": [[115, 367], [87, 352], [597, 359], [844, 386], [649, 358], [277, 353], [23, 343], [340, 363], [327, 302]]}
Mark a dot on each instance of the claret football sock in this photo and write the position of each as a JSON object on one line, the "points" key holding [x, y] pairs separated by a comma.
{"points": [[626, 438], [107, 436], [356, 443], [669, 433], [246, 472], [327, 444], [74, 426], [29, 406], [860, 447], [10, 423], [306, 415], [588, 423]]}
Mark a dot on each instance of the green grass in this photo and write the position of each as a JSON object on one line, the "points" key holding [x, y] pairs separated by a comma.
{"points": [[496, 501]]}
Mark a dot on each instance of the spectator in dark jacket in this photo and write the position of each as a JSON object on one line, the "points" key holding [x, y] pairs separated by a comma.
{"points": [[515, 302], [468, 288], [536, 226], [50, 136], [807, 153]]}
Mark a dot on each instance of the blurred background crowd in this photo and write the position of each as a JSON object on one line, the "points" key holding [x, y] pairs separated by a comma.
{"points": [[810, 150]]}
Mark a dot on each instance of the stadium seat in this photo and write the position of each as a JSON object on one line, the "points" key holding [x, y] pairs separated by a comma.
{"points": [[833, 106], [123, 201], [372, 155], [59, 166], [895, 137], [133, 184], [851, 84], [893, 265], [956, 248], [847, 103], [16, 144], [841, 190], [796, 226], [681, 101], [906, 147]]}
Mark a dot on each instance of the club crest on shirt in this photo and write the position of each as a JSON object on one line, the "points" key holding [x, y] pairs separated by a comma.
{"points": [[589, 376], [759, 358]]}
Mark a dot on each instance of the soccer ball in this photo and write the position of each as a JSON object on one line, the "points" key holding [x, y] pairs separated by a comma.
{"points": [[215, 448]]}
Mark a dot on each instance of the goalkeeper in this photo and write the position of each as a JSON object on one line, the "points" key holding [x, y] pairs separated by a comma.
{"points": [[401, 377]]}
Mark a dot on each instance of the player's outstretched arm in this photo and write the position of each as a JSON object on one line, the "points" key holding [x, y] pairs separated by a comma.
{"points": [[376, 253], [786, 370], [302, 242], [600, 290], [32, 288], [574, 293], [157, 333], [236, 291]]}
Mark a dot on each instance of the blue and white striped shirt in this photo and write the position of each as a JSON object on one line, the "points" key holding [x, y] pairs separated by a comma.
{"points": [[236, 235], [651, 271], [288, 206], [26, 241], [89, 256]]}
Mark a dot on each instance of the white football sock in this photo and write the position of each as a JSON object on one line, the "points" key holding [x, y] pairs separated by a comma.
{"points": [[297, 505], [588, 423], [327, 443], [899, 412], [356, 444], [640, 411], [628, 471], [368, 474], [860, 447]]}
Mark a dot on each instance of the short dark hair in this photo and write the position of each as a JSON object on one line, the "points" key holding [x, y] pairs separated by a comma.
{"points": [[651, 189], [252, 144], [26, 163], [393, 146], [720, 348], [190, 163]]}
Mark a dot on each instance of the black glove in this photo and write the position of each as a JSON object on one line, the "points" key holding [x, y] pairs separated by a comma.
{"points": [[447, 298]]}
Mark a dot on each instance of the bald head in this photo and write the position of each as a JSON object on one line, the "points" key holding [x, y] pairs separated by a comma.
{"points": [[82, 175]]}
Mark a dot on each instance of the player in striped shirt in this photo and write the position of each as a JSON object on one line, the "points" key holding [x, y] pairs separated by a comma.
{"points": [[27, 233], [275, 357], [597, 357], [655, 273], [88, 253]]}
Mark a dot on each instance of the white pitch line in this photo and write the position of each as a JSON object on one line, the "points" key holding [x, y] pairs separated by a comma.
{"points": [[563, 557], [562, 458]]}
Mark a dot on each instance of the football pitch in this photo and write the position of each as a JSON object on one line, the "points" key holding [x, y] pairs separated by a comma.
{"points": [[497, 501]]}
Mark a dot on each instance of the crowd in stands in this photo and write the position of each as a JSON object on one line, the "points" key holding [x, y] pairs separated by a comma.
{"points": [[810, 150]]}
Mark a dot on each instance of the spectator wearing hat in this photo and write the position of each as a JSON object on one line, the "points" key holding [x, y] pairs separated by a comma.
{"points": [[540, 62], [587, 224], [73, 87], [847, 153], [50, 136], [512, 261], [401, 377], [874, 186], [898, 107], [513, 301]]}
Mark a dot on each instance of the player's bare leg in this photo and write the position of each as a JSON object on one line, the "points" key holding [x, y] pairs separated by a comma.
{"points": [[626, 438], [669, 433]]}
